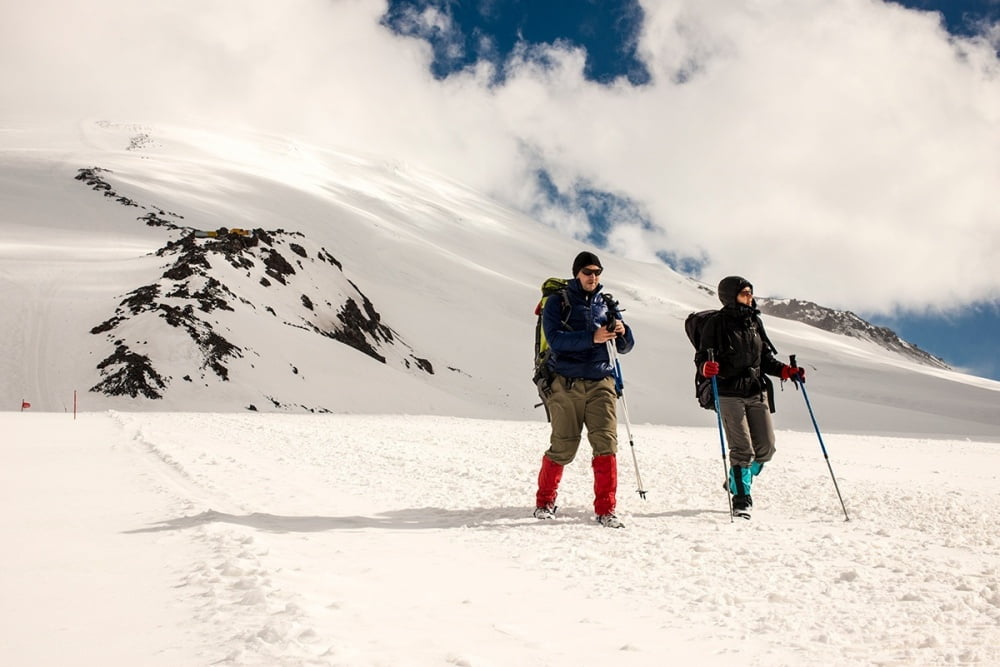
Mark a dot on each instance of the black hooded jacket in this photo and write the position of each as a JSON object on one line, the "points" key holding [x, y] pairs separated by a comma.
{"points": [[736, 335]]}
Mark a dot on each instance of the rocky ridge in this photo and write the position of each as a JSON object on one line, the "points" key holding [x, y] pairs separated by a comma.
{"points": [[258, 273], [845, 323]]}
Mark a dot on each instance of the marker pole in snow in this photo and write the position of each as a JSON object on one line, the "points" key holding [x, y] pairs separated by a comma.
{"points": [[802, 383], [722, 438], [619, 389]]}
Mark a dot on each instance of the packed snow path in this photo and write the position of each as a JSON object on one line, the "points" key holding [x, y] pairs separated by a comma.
{"points": [[251, 539]]}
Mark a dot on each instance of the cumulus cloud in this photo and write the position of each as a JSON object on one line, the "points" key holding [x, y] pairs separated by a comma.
{"points": [[845, 152]]}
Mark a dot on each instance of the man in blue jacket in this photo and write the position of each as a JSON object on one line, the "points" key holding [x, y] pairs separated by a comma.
{"points": [[583, 390]]}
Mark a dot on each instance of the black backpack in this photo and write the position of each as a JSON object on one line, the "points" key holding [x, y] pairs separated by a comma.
{"points": [[693, 326]]}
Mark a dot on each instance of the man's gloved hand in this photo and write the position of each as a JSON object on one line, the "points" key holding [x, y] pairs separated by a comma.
{"points": [[793, 373], [710, 369]]}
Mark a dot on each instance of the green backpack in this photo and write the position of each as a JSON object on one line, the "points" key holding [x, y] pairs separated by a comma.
{"points": [[543, 374]]}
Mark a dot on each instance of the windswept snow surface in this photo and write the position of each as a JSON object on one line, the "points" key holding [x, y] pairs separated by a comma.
{"points": [[255, 539]]}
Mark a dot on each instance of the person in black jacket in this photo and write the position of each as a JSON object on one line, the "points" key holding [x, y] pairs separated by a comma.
{"points": [[743, 358]]}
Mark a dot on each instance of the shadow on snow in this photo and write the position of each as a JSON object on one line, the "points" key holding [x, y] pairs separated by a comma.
{"points": [[424, 518]]}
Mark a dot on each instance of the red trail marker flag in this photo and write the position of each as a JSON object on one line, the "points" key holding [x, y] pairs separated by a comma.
{"points": [[25, 405]]}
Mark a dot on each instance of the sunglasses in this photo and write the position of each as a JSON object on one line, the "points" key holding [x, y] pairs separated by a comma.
{"points": [[591, 272], [746, 291]]}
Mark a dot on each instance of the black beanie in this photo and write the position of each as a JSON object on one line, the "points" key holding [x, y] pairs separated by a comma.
{"points": [[729, 287], [585, 259]]}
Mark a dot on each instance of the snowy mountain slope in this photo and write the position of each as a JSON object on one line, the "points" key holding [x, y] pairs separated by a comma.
{"points": [[218, 284], [452, 274]]}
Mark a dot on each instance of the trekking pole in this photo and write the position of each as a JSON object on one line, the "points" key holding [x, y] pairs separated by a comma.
{"points": [[800, 382], [722, 438], [619, 389]]}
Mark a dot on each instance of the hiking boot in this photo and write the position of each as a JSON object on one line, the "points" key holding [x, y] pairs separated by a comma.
{"points": [[609, 520], [742, 505], [545, 512]]}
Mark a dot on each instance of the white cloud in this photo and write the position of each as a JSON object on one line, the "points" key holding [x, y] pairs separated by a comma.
{"points": [[846, 152]]}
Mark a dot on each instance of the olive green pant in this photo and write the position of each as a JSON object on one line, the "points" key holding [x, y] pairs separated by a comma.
{"points": [[578, 403], [748, 429]]}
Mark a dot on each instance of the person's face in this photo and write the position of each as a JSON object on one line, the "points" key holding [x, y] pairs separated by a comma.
{"points": [[745, 296], [589, 276]]}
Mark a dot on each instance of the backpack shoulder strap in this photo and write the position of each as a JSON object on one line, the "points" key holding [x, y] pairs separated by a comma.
{"points": [[763, 335], [564, 308], [555, 287], [713, 319]]}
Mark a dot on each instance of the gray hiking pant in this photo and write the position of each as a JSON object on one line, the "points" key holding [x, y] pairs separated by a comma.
{"points": [[747, 422], [578, 403]]}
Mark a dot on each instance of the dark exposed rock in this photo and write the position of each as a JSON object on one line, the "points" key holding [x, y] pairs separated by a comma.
{"points": [[92, 177], [355, 326], [327, 257], [128, 373], [192, 260], [141, 298], [277, 266], [373, 326], [241, 262], [180, 291], [180, 271], [178, 316], [231, 244], [154, 220], [210, 297], [216, 349], [424, 365], [138, 141], [106, 325], [264, 237]]}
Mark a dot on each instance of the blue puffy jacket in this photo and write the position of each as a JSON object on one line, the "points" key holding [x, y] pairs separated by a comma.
{"points": [[574, 353]]}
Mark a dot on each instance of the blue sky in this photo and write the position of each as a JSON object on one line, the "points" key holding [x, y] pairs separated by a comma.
{"points": [[845, 152], [491, 30], [966, 339]]}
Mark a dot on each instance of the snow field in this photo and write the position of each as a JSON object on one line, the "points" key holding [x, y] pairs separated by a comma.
{"points": [[369, 540]]}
